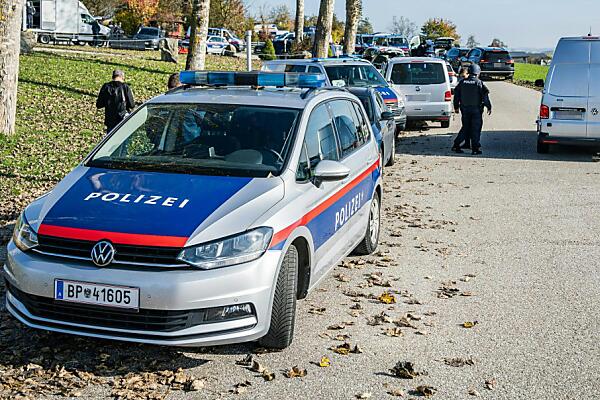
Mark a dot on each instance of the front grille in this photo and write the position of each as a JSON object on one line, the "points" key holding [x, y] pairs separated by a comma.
{"points": [[142, 320], [124, 254]]}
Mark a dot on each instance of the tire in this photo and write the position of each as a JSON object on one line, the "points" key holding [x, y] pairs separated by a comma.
{"points": [[369, 243], [283, 313], [392, 159], [543, 148], [445, 124], [44, 39]]}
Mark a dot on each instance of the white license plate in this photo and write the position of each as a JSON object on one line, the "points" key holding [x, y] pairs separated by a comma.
{"points": [[97, 294], [498, 65]]}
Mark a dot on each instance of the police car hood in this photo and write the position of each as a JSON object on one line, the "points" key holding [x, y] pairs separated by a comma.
{"points": [[152, 208]]}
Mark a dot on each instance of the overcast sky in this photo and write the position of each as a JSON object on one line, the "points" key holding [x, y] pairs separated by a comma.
{"points": [[519, 23]]}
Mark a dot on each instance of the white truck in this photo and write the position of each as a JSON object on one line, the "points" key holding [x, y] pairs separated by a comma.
{"points": [[61, 21]]}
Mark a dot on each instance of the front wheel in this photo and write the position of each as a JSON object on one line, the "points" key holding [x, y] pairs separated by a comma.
{"points": [[369, 243], [283, 313]]}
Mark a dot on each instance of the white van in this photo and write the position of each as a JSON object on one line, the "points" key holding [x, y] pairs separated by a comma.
{"points": [[570, 109], [426, 87]]}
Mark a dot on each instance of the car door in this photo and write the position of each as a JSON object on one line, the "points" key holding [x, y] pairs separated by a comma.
{"points": [[320, 143], [85, 25], [352, 208], [593, 108], [387, 128]]}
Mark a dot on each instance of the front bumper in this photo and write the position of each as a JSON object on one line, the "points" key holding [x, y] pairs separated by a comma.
{"points": [[161, 290]]}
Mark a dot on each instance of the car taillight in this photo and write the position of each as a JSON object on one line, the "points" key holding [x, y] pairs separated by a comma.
{"points": [[544, 112], [510, 61], [483, 60], [451, 73], [448, 96]]}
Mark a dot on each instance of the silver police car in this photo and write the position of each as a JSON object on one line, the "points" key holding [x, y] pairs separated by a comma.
{"points": [[204, 216]]}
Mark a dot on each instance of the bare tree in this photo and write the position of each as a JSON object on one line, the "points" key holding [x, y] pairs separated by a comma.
{"points": [[404, 27], [10, 37], [299, 24], [196, 58], [472, 42], [353, 12], [323, 33]]}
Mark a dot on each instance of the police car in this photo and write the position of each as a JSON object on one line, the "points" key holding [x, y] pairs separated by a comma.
{"points": [[204, 216], [346, 71]]}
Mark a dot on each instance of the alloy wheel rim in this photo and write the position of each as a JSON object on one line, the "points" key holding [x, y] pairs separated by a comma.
{"points": [[374, 220]]}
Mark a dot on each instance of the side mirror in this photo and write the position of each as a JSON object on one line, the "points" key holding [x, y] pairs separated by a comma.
{"points": [[539, 83], [387, 115], [328, 170]]}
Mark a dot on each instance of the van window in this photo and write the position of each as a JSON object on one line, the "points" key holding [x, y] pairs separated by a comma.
{"points": [[320, 137], [571, 51], [295, 68], [418, 74], [594, 90], [314, 70], [595, 54], [346, 126], [497, 56], [569, 80]]}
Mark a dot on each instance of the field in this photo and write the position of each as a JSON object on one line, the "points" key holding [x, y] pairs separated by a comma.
{"points": [[57, 120], [529, 73]]}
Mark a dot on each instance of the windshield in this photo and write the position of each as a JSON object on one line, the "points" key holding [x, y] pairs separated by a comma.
{"points": [[206, 139], [418, 74], [398, 41], [148, 32], [381, 41], [368, 40], [354, 75]]}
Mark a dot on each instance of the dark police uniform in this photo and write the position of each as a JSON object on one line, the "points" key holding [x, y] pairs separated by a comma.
{"points": [[117, 100], [471, 96]]}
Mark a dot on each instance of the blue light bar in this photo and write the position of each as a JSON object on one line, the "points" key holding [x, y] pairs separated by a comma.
{"points": [[256, 78]]}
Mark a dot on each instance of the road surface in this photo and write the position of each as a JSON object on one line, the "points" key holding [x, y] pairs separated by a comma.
{"points": [[506, 241]]}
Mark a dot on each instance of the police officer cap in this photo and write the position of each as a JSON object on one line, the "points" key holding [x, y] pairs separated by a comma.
{"points": [[474, 69]]}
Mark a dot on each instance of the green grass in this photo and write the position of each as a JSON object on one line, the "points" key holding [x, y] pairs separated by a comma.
{"points": [[529, 73], [57, 120]]}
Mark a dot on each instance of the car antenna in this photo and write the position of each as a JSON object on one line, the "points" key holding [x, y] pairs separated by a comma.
{"points": [[590, 34]]}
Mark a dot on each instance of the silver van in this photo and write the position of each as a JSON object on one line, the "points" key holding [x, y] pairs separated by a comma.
{"points": [[570, 109]]}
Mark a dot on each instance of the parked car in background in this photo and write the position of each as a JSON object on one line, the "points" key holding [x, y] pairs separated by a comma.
{"points": [[229, 36], [426, 86], [493, 61], [382, 122], [454, 55], [570, 108], [444, 43], [283, 43], [370, 53], [395, 41], [384, 54], [151, 36], [344, 72], [452, 76], [216, 45], [363, 42]]}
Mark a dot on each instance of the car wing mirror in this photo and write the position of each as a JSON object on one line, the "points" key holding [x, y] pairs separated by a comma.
{"points": [[387, 115], [328, 171], [539, 83]]}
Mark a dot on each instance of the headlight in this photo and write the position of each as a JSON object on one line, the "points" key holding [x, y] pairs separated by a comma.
{"points": [[23, 235], [242, 248]]}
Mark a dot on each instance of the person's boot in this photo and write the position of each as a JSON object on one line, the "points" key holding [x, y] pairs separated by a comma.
{"points": [[466, 146], [456, 148], [477, 152]]}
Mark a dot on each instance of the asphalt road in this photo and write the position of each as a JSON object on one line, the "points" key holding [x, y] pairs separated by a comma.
{"points": [[511, 239]]}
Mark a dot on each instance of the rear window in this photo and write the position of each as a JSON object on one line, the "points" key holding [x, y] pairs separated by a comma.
{"points": [[569, 80], [418, 74], [363, 75], [398, 41], [495, 56], [148, 32]]}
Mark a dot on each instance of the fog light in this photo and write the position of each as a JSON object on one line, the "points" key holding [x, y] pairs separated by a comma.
{"points": [[227, 313]]}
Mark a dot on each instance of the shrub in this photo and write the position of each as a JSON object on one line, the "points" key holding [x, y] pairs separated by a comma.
{"points": [[268, 52], [130, 21]]}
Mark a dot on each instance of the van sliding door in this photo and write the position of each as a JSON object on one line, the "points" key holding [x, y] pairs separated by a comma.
{"points": [[593, 112]]}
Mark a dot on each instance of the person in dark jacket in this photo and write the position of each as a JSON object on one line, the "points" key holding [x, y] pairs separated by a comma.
{"points": [[96, 33], [471, 96], [464, 74], [117, 100]]}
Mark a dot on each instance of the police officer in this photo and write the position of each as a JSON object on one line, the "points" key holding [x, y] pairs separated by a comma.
{"points": [[470, 97]]}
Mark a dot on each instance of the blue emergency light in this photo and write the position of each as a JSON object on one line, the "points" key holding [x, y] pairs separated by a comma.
{"points": [[256, 78]]}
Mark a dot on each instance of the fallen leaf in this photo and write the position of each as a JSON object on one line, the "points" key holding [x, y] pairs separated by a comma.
{"points": [[325, 362], [343, 349], [490, 384], [387, 298], [393, 332], [267, 375], [425, 390], [473, 392], [246, 361], [469, 324], [405, 370], [357, 350], [257, 367], [365, 395], [396, 392], [295, 372], [317, 310], [458, 362]]}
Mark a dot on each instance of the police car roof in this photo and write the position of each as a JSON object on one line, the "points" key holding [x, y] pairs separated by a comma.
{"points": [[329, 61], [269, 97]]}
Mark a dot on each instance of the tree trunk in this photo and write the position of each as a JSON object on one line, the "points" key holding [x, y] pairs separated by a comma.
{"points": [[299, 26], [196, 58], [353, 11], [323, 34], [10, 45]]}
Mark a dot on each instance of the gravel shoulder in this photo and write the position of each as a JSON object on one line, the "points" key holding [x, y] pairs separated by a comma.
{"points": [[506, 241]]}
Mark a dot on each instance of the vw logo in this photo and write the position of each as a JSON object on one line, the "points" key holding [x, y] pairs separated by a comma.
{"points": [[103, 253], [594, 111]]}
